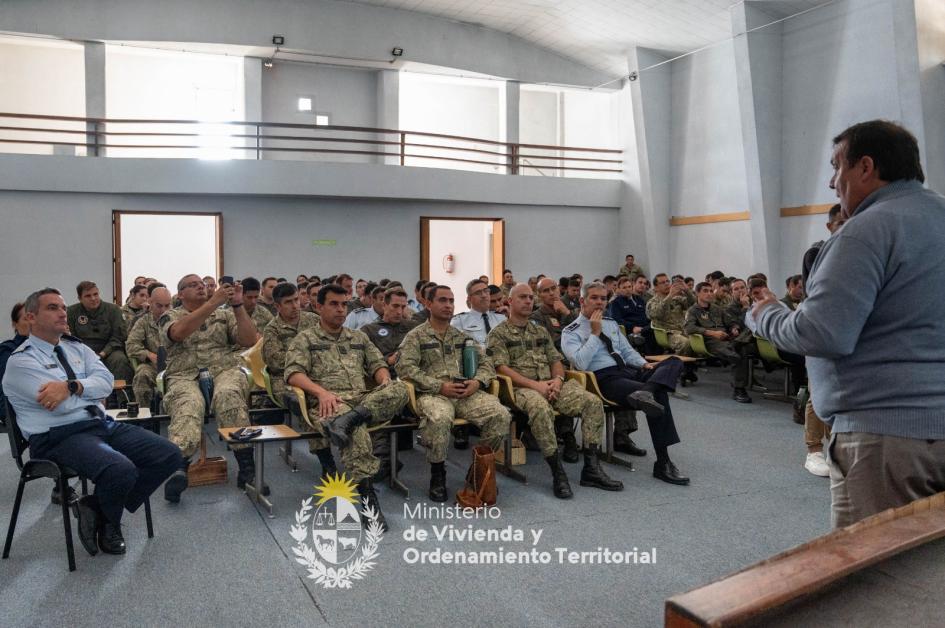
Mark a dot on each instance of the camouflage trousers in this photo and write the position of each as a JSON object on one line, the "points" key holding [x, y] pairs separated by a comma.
{"points": [[119, 365], [143, 384], [384, 403], [278, 386], [184, 402], [436, 419], [573, 400], [679, 343]]}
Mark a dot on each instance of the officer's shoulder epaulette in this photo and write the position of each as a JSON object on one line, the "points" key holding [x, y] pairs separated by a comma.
{"points": [[460, 314], [607, 318], [573, 326], [360, 309], [23, 347], [70, 337]]}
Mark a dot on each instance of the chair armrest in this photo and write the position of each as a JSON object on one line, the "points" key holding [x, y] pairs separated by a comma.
{"points": [[579, 376], [506, 390], [411, 397], [300, 399]]}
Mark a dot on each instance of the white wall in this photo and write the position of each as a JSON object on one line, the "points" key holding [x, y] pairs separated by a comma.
{"points": [[273, 236], [470, 243], [707, 175], [467, 107], [349, 97], [42, 78], [930, 21]]}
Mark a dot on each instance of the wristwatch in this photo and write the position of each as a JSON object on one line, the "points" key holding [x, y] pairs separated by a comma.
{"points": [[73, 387]]}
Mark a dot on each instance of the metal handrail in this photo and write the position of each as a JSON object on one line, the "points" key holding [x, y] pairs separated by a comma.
{"points": [[99, 136]]}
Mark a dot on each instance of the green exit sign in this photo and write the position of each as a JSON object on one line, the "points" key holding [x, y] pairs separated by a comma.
{"points": [[324, 242]]}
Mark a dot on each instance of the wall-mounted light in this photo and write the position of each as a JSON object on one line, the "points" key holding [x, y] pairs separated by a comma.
{"points": [[278, 40], [397, 52], [267, 63]]}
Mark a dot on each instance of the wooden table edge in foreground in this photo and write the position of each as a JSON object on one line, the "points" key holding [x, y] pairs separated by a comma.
{"points": [[270, 433], [807, 569]]}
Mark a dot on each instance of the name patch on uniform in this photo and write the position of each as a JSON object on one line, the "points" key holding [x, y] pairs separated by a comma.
{"points": [[357, 346], [50, 366], [429, 345]]}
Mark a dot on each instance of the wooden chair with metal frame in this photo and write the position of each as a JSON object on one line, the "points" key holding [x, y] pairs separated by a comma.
{"points": [[37, 468], [697, 343], [769, 354], [507, 396], [589, 381]]}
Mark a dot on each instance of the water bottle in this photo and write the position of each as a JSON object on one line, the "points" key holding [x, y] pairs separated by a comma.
{"points": [[470, 359], [205, 381]]}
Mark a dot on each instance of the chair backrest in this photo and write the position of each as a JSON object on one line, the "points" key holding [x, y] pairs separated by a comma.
{"points": [[18, 443], [767, 351], [697, 342], [253, 359], [662, 338]]}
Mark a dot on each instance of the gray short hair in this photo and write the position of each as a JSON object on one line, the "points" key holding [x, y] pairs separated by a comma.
{"points": [[32, 301], [594, 285]]}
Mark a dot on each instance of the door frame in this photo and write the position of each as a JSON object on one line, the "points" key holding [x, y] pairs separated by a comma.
{"points": [[117, 289], [498, 244]]}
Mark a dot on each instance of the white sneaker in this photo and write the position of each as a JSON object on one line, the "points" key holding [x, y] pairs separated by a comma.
{"points": [[817, 464]]}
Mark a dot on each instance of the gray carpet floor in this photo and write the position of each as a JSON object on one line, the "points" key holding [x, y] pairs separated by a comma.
{"points": [[217, 560]]}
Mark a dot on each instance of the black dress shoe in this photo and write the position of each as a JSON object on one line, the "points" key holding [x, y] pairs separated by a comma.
{"points": [[646, 403], [629, 447], [668, 472], [461, 437], [741, 395], [110, 539], [90, 518]]}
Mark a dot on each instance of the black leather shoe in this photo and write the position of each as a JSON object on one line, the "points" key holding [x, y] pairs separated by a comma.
{"points": [[461, 437], [593, 475], [559, 479], [339, 428], [668, 472], [741, 395], [646, 403], [438, 481], [57, 499], [110, 539], [177, 483], [90, 519], [629, 447]]}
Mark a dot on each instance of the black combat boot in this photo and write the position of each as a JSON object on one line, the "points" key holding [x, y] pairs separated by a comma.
{"points": [[177, 483], [339, 428], [327, 461], [593, 475], [559, 479], [438, 481], [567, 444], [369, 500], [247, 469], [461, 437]]}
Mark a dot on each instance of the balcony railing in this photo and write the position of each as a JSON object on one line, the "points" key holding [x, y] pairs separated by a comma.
{"points": [[108, 137]]}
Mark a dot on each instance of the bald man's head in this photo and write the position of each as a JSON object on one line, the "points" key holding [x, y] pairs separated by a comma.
{"points": [[521, 301], [160, 302]]}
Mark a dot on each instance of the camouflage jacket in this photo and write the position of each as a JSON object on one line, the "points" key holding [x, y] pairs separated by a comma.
{"points": [[668, 312], [428, 359], [276, 338], [261, 317], [528, 350], [213, 345], [339, 364], [144, 337]]}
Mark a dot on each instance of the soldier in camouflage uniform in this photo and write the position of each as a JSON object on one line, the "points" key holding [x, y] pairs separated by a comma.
{"points": [[522, 350], [144, 340], [260, 315], [288, 322], [136, 305], [667, 310], [552, 314], [201, 334], [630, 268], [330, 363], [101, 327], [724, 338], [431, 357]]}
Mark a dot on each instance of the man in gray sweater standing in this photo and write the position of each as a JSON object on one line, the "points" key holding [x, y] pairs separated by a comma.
{"points": [[872, 326]]}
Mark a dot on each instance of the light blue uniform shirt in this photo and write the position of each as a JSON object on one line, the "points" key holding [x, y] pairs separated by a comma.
{"points": [[33, 364], [471, 323], [360, 317], [587, 352]]}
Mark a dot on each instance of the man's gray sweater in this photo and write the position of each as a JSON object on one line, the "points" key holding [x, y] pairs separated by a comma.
{"points": [[873, 323]]}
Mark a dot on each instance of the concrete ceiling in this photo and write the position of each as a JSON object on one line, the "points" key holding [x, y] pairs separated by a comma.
{"points": [[599, 33]]}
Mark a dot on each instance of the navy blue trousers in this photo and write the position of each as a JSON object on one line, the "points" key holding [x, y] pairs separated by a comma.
{"points": [[126, 462], [618, 382]]}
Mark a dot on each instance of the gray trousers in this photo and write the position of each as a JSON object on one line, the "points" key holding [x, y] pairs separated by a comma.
{"points": [[872, 472]]}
